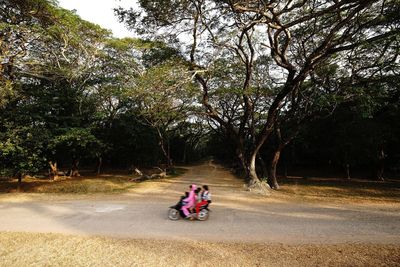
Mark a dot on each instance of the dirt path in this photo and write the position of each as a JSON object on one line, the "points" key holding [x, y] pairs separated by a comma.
{"points": [[237, 215]]}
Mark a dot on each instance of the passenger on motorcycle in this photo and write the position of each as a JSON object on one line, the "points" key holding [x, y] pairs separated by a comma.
{"points": [[205, 198]]}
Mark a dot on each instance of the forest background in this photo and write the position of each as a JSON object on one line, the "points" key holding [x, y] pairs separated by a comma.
{"points": [[266, 87]]}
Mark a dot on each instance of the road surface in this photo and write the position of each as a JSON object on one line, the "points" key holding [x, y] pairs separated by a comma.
{"points": [[237, 215]]}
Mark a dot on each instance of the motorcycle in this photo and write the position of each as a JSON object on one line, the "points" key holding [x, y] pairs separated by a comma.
{"points": [[175, 212]]}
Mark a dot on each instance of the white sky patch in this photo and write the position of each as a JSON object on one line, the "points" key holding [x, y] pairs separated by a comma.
{"points": [[101, 12]]}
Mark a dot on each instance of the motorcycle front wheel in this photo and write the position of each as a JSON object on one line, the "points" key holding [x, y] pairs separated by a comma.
{"points": [[173, 214], [203, 215]]}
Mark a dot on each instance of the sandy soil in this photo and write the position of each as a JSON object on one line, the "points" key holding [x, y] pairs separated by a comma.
{"points": [[237, 215]]}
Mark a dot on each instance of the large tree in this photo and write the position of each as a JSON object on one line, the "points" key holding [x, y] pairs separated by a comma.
{"points": [[297, 35], [164, 95]]}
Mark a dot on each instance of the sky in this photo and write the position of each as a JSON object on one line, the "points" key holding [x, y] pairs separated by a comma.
{"points": [[101, 12]]}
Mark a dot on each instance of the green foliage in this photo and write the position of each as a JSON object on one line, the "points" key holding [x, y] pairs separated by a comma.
{"points": [[6, 91], [68, 90], [77, 142], [356, 132], [71, 92], [46, 105], [23, 148], [165, 93]]}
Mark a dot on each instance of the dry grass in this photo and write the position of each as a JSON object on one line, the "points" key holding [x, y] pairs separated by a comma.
{"points": [[105, 183], [88, 184], [83, 185], [332, 189], [23, 249]]}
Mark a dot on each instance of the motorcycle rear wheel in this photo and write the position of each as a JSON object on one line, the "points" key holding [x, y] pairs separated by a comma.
{"points": [[173, 214]]}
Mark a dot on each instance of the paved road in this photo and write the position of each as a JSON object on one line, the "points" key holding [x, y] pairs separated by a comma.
{"points": [[237, 215]]}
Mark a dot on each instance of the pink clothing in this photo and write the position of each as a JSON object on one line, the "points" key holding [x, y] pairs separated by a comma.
{"points": [[191, 200]]}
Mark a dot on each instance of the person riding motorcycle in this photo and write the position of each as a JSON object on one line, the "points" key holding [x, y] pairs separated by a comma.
{"points": [[190, 201]]}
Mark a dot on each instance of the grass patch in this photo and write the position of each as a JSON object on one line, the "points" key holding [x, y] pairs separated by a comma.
{"points": [[105, 183], [88, 185], [81, 185], [341, 189], [28, 249]]}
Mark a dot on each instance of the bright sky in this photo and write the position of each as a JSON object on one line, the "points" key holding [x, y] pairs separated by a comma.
{"points": [[101, 12]]}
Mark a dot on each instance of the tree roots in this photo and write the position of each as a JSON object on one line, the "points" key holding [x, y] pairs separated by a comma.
{"points": [[259, 187]]}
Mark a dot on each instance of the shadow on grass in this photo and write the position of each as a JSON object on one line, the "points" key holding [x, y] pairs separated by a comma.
{"points": [[178, 171], [104, 183], [336, 187]]}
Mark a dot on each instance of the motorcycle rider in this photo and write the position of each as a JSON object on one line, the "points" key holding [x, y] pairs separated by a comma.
{"points": [[191, 202]]}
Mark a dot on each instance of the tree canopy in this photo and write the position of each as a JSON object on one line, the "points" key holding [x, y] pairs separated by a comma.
{"points": [[296, 39], [312, 82]]}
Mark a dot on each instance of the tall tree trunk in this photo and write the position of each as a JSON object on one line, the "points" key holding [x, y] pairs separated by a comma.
{"points": [[272, 180], [253, 177], [381, 164], [20, 175], [240, 153], [348, 171], [249, 167], [164, 150], [99, 164], [254, 183], [264, 169], [74, 172]]}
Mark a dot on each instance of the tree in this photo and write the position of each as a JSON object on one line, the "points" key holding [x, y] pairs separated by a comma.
{"points": [[48, 60], [76, 143], [361, 135], [298, 35], [164, 95], [21, 23]]}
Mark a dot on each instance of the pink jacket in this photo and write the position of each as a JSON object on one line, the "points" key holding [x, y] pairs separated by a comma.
{"points": [[191, 199]]}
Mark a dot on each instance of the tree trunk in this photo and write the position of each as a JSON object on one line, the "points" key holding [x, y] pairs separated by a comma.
{"points": [[243, 162], [99, 165], [166, 156], [20, 175], [348, 171], [74, 172], [253, 182], [53, 173], [272, 181], [381, 164], [164, 151], [264, 170], [253, 177]]}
